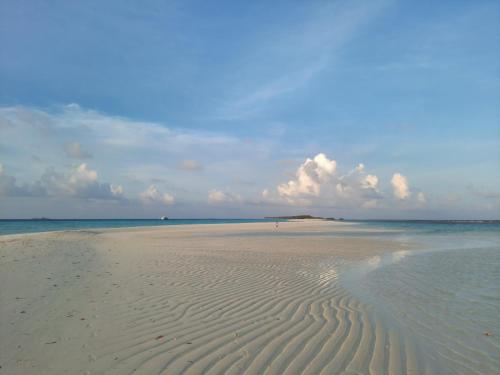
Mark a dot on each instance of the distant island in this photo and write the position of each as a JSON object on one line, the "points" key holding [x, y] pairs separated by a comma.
{"points": [[303, 217]]}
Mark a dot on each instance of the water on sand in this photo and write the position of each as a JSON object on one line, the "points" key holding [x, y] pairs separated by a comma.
{"points": [[446, 294]]}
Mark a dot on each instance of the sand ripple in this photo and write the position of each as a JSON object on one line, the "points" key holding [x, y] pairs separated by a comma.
{"points": [[247, 313], [178, 301]]}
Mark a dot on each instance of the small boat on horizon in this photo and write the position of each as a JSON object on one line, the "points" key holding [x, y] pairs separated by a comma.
{"points": [[163, 218]]}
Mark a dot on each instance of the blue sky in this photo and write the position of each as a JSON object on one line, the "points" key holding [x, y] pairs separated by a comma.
{"points": [[197, 109]]}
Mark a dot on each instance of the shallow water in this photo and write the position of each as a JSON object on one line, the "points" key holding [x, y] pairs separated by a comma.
{"points": [[33, 226], [446, 295]]}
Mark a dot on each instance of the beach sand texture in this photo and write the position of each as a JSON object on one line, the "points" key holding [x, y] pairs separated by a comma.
{"points": [[193, 299]]}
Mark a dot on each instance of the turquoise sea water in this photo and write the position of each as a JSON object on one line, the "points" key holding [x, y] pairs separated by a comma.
{"points": [[406, 227], [33, 226], [428, 227]]}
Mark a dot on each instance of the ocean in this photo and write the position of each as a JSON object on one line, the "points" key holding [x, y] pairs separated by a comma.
{"points": [[18, 226]]}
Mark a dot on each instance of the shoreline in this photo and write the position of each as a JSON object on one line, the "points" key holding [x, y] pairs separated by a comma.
{"points": [[151, 223], [190, 298], [149, 227]]}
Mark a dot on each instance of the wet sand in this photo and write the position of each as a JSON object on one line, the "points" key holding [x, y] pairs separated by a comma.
{"points": [[193, 299]]}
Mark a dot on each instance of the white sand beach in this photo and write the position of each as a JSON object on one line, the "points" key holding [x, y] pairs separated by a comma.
{"points": [[192, 299], [249, 187]]}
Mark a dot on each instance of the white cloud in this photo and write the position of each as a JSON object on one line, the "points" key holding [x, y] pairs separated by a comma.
{"points": [[149, 150], [116, 190], [120, 147], [83, 176], [95, 129], [153, 195], [357, 187], [217, 197], [82, 182], [74, 150], [10, 187], [123, 146], [319, 182], [309, 178], [369, 182], [400, 186]]}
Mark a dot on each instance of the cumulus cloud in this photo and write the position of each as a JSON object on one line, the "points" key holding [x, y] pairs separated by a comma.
{"points": [[153, 195], [217, 197], [147, 150], [10, 187], [8, 184], [319, 182], [74, 150], [125, 147], [116, 190], [309, 178], [358, 185], [191, 165], [82, 182], [400, 186], [369, 182]]}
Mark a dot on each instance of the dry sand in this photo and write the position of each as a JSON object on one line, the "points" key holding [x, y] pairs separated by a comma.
{"points": [[193, 299]]}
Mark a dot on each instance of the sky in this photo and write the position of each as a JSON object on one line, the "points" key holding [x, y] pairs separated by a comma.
{"points": [[230, 109]]}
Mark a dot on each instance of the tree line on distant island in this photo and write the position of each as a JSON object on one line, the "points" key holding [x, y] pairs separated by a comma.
{"points": [[304, 217]]}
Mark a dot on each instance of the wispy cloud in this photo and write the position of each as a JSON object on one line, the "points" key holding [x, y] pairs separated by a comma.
{"points": [[313, 46], [133, 154], [60, 132]]}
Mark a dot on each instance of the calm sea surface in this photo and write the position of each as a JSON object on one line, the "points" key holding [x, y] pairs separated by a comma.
{"points": [[445, 294], [32, 226]]}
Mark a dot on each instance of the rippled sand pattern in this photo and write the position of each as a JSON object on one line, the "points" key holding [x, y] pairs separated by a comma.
{"points": [[167, 302]]}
